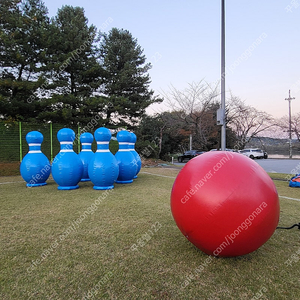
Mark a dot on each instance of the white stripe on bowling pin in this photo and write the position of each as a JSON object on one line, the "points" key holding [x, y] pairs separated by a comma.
{"points": [[102, 143]]}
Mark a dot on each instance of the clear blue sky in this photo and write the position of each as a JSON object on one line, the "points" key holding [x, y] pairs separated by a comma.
{"points": [[182, 40]]}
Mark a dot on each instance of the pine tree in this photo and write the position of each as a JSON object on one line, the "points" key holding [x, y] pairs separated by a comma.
{"points": [[23, 34], [126, 80], [75, 71]]}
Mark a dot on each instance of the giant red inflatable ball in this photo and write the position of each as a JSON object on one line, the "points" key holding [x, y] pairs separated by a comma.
{"points": [[225, 203]]}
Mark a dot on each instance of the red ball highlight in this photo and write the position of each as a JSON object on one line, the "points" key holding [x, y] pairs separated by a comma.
{"points": [[225, 204]]}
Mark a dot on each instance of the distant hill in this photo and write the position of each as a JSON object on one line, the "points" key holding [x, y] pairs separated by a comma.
{"points": [[274, 146]]}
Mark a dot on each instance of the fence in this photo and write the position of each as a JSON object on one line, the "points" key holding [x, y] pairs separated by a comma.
{"points": [[13, 145]]}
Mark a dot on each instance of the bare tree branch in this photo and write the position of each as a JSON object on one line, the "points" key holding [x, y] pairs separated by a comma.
{"points": [[195, 104], [246, 121]]}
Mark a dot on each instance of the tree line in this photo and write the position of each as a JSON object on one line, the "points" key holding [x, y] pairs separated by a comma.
{"points": [[193, 114], [63, 70]]}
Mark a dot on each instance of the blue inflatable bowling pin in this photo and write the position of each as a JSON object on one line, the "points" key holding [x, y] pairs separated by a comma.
{"points": [[86, 153], [138, 160], [35, 167], [103, 167], [67, 167], [126, 160]]}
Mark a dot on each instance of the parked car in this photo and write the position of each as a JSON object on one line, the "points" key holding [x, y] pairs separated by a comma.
{"points": [[226, 149], [189, 155], [254, 153]]}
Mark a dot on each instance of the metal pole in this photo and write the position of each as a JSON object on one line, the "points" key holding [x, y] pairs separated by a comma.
{"points": [[51, 142], [223, 129], [290, 131], [290, 124], [78, 138], [20, 138]]}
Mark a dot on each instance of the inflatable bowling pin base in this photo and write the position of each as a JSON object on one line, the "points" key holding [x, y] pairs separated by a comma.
{"points": [[68, 187], [96, 187], [35, 184], [124, 181]]}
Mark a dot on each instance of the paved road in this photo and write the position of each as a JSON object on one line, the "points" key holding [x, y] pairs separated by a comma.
{"points": [[287, 166]]}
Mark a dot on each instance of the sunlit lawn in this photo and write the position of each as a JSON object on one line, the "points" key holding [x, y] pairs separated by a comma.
{"points": [[124, 244]]}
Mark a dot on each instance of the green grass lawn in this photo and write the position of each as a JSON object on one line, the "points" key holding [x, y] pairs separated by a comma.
{"points": [[124, 244]]}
